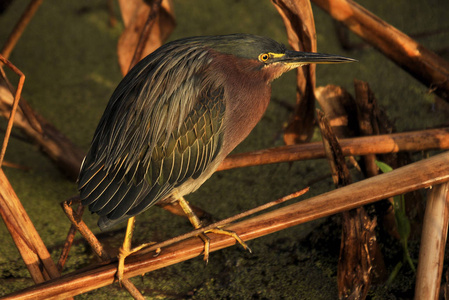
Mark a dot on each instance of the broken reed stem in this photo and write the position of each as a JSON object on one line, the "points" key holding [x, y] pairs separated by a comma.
{"points": [[146, 30], [78, 223], [30, 245], [69, 241], [300, 26], [14, 106], [97, 247], [20, 27], [366, 108], [433, 243], [33, 251], [132, 290], [224, 222], [358, 240], [24, 106], [335, 157], [420, 62], [380, 144], [422, 174], [76, 220]]}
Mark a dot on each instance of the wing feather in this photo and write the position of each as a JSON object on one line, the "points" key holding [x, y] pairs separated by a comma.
{"points": [[124, 189]]}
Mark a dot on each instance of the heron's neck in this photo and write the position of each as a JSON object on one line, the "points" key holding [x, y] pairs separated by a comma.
{"points": [[247, 95]]}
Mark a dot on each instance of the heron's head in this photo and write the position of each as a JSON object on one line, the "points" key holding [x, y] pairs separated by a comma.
{"points": [[265, 54]]}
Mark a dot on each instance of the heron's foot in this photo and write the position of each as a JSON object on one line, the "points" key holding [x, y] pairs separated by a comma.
{"points": [[206, 240], [197, 224], [206, 250], [123, 253]]}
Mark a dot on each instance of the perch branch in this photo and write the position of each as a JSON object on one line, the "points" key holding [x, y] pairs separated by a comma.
{"points": [[422, 174], [225, 221]]}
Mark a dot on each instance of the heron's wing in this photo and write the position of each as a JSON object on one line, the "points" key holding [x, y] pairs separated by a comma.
{"points": [[130, 185]]}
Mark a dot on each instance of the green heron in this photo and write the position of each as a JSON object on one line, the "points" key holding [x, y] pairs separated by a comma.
{"points": [[174, 118]]}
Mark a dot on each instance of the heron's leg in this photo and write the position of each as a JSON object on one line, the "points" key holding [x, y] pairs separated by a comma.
{"points": [[193, 218], [126, 250], [197, 224]]}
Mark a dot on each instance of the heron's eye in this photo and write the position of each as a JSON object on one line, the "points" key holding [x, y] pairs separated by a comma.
{"points": [[264, 57]]}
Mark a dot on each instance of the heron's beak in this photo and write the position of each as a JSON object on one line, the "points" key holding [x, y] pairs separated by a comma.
{"points": [[296, 58]]}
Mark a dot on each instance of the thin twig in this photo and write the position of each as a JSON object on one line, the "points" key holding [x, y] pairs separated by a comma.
{"points": [[24, 106], [97, 247], [14, 106], [15, 166], [20, 27], [69, 240], [76, 221]]}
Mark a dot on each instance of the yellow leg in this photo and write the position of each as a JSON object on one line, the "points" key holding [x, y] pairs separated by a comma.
{"points": [[126, 250], [197, 224]]}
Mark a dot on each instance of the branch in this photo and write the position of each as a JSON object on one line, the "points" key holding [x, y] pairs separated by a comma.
{"points": [[33, 251], [388, 143], [420, 62], [13, 107], [425, 173], [20, 27], [52, 142], [433, 243]]}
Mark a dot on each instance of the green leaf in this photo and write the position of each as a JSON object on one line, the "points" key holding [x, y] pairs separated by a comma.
{"points": [[383, 166]]}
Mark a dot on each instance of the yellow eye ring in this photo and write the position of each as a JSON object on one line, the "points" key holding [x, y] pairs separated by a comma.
{"points": [[264, 57]]}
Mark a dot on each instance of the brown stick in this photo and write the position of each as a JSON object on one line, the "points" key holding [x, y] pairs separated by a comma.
{"points": [[370, 122], [425, 173], [20, 27], [340, 109], [224, 222], [366, 105], [69, 241], [433, 243], [358, 237], [423, 64], [33, 251], [334, 155], [28, 242], [14, 106], [388, 143], [97, 247], [76, 221], [132, 290], [66, 156], [28, 113]]}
